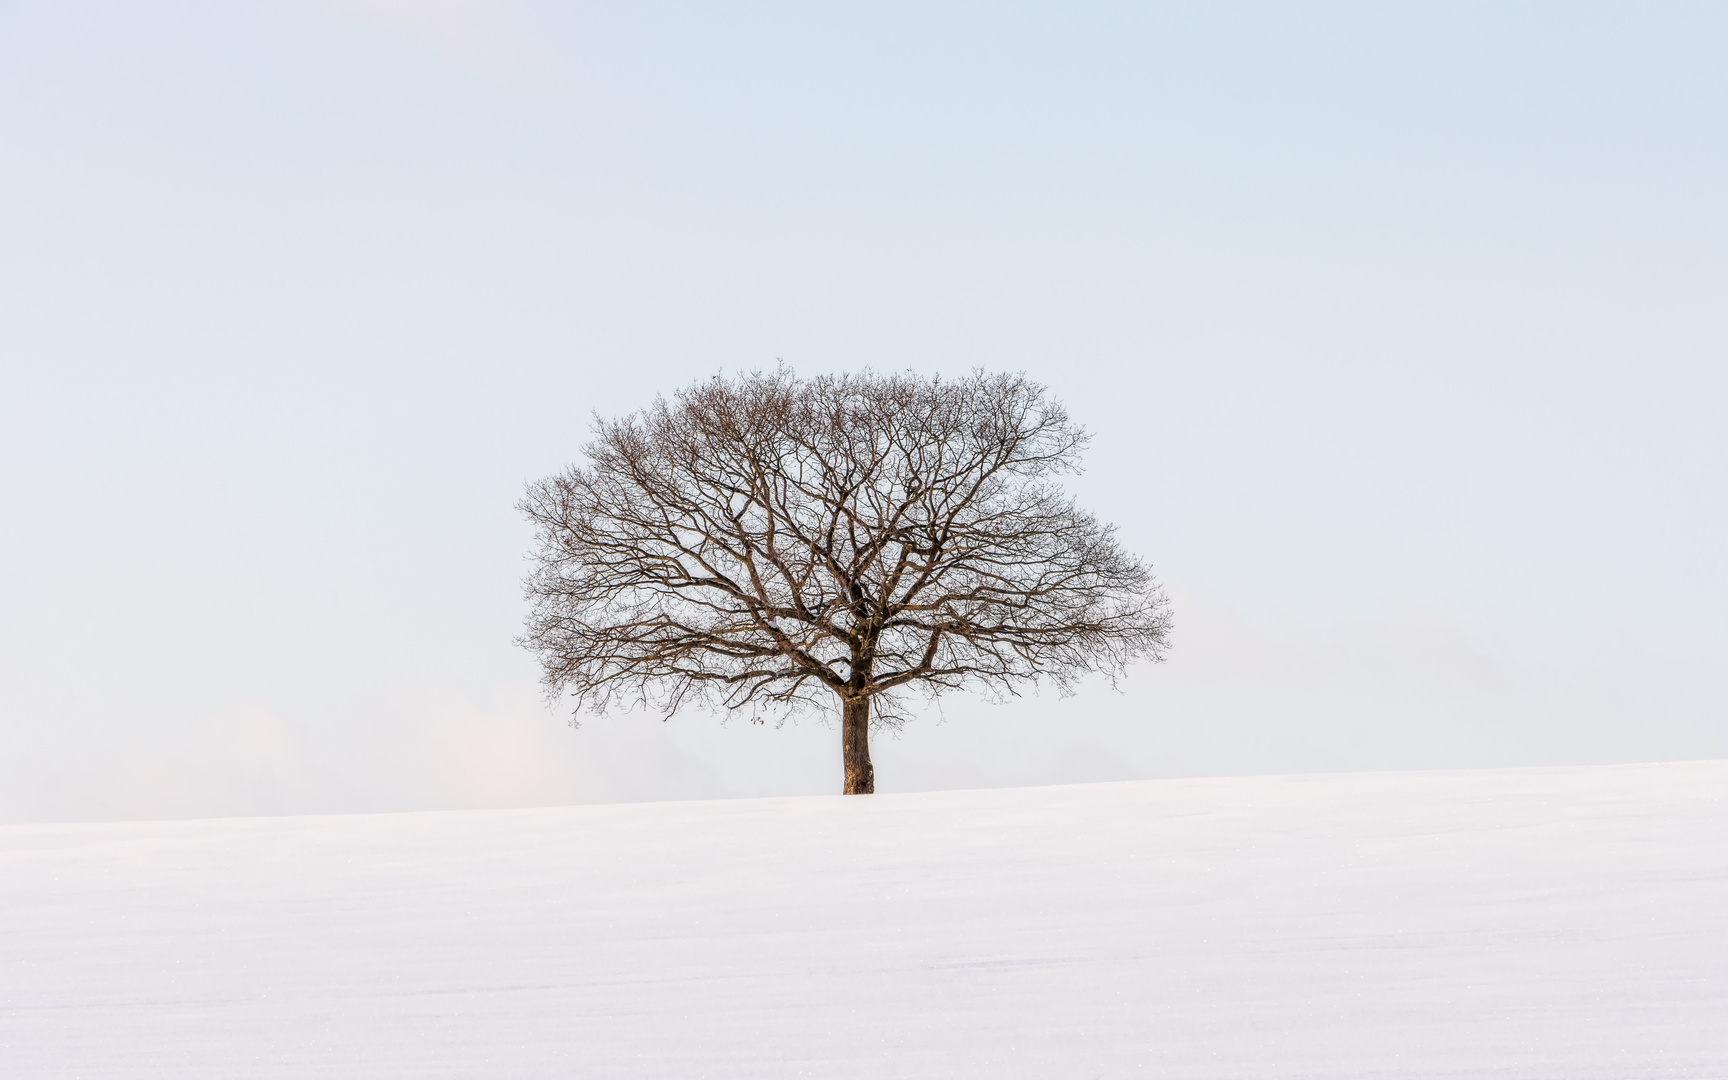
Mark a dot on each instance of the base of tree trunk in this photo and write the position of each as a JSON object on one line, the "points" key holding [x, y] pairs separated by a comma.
{"points": [[855, 742]]}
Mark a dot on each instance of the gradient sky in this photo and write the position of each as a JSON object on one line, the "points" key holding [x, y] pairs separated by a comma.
{"points": [[1402, 334]]}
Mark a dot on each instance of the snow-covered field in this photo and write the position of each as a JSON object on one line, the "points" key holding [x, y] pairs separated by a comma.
{"points": [[1522, 923]]}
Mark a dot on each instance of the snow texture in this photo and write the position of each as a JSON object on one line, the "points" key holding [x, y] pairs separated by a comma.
{"points": [[1530, 923]]}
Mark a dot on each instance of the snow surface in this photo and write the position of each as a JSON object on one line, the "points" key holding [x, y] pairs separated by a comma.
{"points": [[1519, 923]]}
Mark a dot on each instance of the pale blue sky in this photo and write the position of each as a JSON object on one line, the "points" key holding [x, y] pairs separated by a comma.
{"points": [[1402, 333]]}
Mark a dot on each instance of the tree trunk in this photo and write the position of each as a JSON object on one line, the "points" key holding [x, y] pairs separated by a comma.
{"points": [[855, 740]]}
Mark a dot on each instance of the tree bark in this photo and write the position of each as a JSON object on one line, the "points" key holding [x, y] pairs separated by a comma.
{"points": [[855, 741]]}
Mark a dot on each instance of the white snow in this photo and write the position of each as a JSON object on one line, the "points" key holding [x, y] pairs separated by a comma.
{"points": [[1531, 923]]}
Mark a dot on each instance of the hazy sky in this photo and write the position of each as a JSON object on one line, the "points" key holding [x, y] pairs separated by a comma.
{"points": [[1401, 329]]}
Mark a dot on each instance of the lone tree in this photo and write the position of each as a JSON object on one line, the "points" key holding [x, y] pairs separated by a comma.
{"points": [[771, 542]]}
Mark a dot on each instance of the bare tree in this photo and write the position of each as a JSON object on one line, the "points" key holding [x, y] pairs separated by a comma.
{"points": [[768, 541]]}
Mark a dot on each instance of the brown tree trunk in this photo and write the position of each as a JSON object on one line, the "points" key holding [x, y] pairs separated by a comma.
{"points": [[855, 741]]}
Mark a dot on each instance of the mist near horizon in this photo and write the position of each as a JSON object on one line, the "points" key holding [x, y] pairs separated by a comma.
{"points": [[1400, 334]]}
